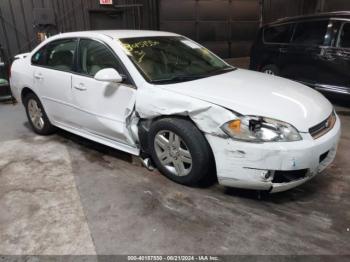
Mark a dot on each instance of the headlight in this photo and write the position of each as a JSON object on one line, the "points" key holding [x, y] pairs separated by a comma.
{"points": [[261, 129]]}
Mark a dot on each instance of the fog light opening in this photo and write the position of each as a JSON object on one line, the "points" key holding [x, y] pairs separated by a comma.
{"points": [[267, 175]]}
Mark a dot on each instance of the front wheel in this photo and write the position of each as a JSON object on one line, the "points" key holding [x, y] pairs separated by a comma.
{"points": [[36, 115], [181, 152]]}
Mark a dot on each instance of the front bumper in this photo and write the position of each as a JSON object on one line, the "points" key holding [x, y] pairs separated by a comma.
{"points": [[244, 165]]}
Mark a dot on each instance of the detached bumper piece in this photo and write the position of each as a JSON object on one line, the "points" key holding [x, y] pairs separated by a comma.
{"points": [[289, 176], [284, 180]]}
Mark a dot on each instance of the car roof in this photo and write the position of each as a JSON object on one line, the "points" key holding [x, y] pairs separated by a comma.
{"points": [[116, 34], [340, 14]]}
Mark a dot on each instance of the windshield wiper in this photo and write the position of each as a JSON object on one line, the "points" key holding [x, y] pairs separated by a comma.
{"points": [[181, 78], [178, 78], [221, 70]]}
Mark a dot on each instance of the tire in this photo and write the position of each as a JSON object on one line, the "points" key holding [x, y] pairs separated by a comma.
{"points": [[36, 115], [270, 70], [181, 152]]}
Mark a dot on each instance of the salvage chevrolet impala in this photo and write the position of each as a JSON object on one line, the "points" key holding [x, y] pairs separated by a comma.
{"points": [[175, 104]]}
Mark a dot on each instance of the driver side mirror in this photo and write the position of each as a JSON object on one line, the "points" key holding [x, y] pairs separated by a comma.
{"points": [[109, 75]]}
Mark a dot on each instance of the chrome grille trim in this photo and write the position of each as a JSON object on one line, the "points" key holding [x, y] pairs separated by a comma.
{"points": [[323, 127]]}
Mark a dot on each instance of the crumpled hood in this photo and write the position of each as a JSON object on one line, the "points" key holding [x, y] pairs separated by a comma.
{"points": [[252, 93]]}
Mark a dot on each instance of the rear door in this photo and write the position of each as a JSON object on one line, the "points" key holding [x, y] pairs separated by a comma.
{"points": [[103, 108], [301, 58], [53, 67]]}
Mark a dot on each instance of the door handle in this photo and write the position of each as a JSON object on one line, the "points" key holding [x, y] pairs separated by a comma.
{"points": [[80, 87], [38, 76]]}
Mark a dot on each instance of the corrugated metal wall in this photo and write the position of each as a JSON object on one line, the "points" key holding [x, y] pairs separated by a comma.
{"points": [[275, 9], [225, 26], [17, 33], [337, 5]]}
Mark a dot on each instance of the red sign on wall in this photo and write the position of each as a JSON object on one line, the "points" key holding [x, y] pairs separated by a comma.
{"points": [[106, 2]]}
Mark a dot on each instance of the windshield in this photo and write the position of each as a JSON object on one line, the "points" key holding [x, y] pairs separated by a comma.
{"points": [[167, 59]]}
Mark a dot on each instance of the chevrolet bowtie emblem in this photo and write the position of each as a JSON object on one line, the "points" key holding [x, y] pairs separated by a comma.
{"points": [[328, 123]]}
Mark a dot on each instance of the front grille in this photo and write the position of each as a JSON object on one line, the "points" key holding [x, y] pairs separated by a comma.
{"points": [[323, 127]]}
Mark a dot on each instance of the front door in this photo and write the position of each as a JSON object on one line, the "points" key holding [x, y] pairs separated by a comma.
{"points": [[338, 79], [301, 59], [103, 107]]}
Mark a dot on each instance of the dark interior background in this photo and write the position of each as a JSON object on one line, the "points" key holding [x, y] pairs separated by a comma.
{"points": [[227, 27]]}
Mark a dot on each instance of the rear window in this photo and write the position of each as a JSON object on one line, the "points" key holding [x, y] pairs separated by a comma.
{"points": [[60, 54], [278, 34], [57, 55], [310, 33], [39, 57]]}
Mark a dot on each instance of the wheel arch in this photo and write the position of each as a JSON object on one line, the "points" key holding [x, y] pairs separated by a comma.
{"points": [[46, 128], [25, 91], [145, 124]]}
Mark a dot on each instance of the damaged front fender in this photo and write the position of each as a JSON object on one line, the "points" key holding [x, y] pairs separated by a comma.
{"points": [[154, 102]]}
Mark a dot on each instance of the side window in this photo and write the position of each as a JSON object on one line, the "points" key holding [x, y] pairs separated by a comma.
{"points": [[94, 56], [344, 37], [278, 34], [332, 35], [39, 57], [310, 33], [60, 54]]}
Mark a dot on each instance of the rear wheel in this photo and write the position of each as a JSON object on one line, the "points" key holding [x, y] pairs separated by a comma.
{"points": [[181, 152], [36, 115], [270, 70]]}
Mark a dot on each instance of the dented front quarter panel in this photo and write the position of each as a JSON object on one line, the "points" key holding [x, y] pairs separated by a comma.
{"points": [[153, 101]]}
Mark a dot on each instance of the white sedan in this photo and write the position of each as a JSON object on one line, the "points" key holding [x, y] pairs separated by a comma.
{"points": [[168, 99]]}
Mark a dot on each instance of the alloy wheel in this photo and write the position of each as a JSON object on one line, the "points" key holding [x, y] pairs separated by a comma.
{"points": [[173, 153], [35, 114]]}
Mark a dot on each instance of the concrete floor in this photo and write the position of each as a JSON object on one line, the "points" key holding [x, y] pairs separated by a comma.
{"points": [[63, 195]]}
